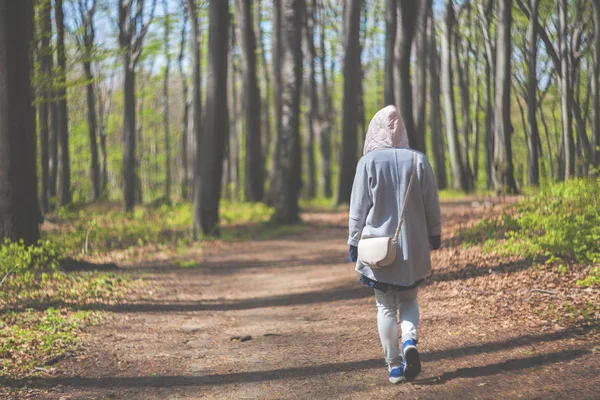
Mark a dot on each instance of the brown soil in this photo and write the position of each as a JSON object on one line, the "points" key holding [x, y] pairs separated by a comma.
{"points": [[484, 333]]}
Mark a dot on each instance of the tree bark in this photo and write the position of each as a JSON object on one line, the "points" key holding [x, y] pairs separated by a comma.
{"points": [[265, 83], [46, 63], [533, 173], [485, 11], [194, 138], [312, 100], [421, 42], [288, 161], [407, 22], [216, 130], [503, 174], [325, 115], [459, 179], [88, 35], [254, 166], [437, 139], [63, 116], [166, 127], [132, 31], [565, 92], [277, 99], [391, 24], [462, 66], [19, 212], [351, 72], [186, 108], [595, 85]]}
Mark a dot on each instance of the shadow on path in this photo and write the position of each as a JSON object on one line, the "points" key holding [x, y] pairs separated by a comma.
{"points": [[319, 370], [516, 364], [351, 291]]}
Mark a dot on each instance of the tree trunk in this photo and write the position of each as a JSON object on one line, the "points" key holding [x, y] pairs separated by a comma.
{"points": [[63, 116], [503, 174], [46, 94], [286, 205], [459, 178], [216, 130], [254, 166], [129, 135], [595, 86], [277, 99], [565, 92], [407, 22], [312, 100], [351, 72], [485, 10], [548, 143], [421, 43], [325, 116], [19, 212], [264, 83], [194, 139], [92, 130], [462, 73], [533, 173], [186, 109], [166, 104], [475, 129], [391, 23], [437, 140]]}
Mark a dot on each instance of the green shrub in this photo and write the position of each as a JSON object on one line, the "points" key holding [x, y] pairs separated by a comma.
{"points": [[560, 223], [26, 261]]}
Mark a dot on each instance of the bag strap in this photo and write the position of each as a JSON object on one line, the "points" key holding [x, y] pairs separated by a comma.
{"points": [[410, 185]]}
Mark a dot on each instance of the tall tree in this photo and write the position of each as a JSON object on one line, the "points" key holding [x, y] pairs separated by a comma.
{"points": [[86, 40], [63, 115], [533, 136], [254, 167], [565, 90], [46, 63], [312, 99], [596, 85], [186, 106], [503, 175], [391, 23], [325, 114], [408, 11], [167, 49], [19, 211], [277, 95], [437, 139], [133, 28], [288, 161], [263, 75], [420, 92], [459, 178], [352, 74], [216, 130], [485, 8]]}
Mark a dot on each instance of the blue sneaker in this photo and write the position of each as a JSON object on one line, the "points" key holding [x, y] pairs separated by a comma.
{"points": [[396, 374], [412, 362]]}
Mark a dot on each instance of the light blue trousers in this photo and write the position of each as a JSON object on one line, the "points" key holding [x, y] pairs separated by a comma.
{"points": [[388, 305]]}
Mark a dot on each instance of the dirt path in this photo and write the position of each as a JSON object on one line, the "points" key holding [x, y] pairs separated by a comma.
{"points": [[314, 334]]}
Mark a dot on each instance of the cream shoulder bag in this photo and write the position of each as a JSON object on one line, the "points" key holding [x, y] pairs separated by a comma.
{"points": [[381, 251]]}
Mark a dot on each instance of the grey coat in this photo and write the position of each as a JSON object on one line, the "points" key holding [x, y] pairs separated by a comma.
{"points": [[378, 194]]}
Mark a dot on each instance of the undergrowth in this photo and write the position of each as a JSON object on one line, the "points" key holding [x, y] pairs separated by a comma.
{"points": [[559, 224]]}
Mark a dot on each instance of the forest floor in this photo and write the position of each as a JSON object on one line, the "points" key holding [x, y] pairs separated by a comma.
{"points": [[491, 327]]}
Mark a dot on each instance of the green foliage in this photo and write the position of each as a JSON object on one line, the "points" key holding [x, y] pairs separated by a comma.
{"points": [[30, 339], [560, 224], [26, 261]]}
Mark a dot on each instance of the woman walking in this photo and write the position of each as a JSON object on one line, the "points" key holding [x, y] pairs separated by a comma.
{"points": [[382, 195]]}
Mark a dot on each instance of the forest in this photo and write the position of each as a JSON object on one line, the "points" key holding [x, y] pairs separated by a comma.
{"points": [[155, 132]]}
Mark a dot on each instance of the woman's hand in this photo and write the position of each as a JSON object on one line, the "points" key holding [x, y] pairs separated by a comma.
{"points": [[353, 253], [435, 242]]}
